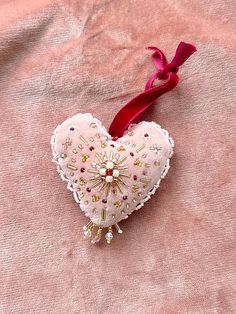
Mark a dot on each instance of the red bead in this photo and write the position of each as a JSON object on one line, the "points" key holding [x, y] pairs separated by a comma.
{"points": [[91, 148], [109, 172], [88, 190], [146, 135], [125, 197], [112, 145], [104, 201], [82, 169], [131, 154], [135, 177]]}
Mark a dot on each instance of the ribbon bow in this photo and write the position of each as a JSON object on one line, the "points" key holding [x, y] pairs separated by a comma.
{"points": [[134, 109]]}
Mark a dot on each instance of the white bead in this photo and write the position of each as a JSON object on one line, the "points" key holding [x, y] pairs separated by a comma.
{"points": [[102, 171], [109, 165], [96, 239], [116, 173], [109, 236], [87, 234], [109, 179]]}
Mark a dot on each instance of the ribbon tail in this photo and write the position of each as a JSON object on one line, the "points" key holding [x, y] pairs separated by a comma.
{"points": [[183, 52], [136, 106]]}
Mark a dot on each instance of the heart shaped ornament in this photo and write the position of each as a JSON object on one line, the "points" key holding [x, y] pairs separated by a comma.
{"points": [[110, 178]]}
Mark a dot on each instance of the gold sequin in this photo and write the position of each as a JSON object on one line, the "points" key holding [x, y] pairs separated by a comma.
{"points": [[120, 149], [95, 198], [85, 158], [103, 144], [93, 125], [134, 188], [82, 181], [117, 204], [63, 156], [138, 163], [157, 163]]}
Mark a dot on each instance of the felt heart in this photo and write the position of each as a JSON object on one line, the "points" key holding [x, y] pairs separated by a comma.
{"points": [[110, 178]]}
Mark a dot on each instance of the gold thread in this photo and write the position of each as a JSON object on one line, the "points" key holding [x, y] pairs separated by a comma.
{"points": [[84, 140]]}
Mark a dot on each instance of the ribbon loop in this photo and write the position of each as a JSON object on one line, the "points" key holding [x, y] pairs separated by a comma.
{"points": [[135, 108]]}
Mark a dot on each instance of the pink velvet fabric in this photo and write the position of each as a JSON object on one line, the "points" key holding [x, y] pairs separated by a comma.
{"points": [[177, 254]]}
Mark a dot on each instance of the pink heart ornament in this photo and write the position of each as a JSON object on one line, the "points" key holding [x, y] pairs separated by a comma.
{"points": [[110, 179]]}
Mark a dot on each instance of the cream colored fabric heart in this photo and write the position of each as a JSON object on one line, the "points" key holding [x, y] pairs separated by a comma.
{"points": [[110, 179]]}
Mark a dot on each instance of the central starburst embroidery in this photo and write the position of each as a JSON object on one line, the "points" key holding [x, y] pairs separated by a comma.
{"points": [[110, 173]]}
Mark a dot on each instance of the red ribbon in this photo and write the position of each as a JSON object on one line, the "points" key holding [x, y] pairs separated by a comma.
{"points": [[134, 109]]}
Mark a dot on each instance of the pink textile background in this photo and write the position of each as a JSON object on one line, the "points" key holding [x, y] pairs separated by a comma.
{"points": [[177, 254]]}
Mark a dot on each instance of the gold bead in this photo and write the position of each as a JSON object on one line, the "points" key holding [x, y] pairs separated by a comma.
{"points": [[104, 214], [71, 167]]}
